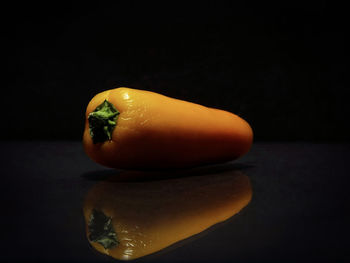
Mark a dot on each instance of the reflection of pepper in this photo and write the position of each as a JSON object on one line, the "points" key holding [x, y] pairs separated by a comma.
{"points": [[138, 218], [128, 128]]}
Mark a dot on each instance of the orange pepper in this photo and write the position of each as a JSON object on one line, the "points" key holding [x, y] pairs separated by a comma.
{"points": [[137, 129], [131, 218]]}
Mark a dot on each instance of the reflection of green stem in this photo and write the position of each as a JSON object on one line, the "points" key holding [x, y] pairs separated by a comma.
{"points": [[102, 122], [101, 230]]}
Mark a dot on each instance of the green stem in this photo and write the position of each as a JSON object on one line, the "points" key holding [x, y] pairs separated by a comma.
{"points": [[101, 230], [102, 122]]}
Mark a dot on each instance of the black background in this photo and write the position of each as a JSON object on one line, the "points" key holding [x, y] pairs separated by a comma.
{"points": [[281, 66]]}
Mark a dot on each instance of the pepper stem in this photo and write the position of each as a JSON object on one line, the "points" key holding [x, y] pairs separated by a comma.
{"points": [[101, 230], [102, 122]]}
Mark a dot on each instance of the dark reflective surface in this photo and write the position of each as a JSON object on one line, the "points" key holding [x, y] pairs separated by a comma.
{"points": [[299, 211]]}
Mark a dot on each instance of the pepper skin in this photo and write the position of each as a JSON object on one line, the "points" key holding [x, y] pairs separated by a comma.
{"points": [[142, 217], [154, 131]]}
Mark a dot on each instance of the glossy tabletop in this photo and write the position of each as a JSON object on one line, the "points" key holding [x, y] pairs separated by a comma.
{"points": [[298, 213]]}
